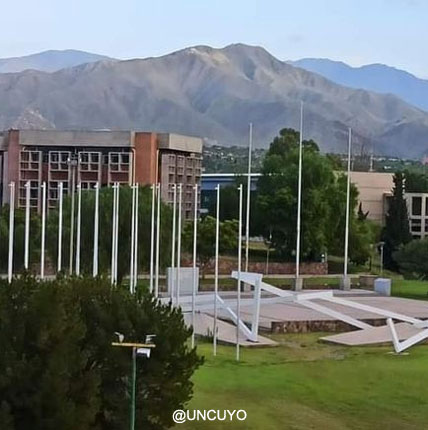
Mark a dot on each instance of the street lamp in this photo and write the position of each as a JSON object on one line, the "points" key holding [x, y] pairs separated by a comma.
{"points": [[142, 349]]}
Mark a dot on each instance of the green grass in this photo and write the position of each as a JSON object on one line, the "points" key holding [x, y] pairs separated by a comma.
{"points": [[304, 384], [410, 289]]}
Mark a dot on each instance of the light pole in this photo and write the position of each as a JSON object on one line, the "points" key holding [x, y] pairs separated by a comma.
{"points": [[72, 162], [142, 349]]}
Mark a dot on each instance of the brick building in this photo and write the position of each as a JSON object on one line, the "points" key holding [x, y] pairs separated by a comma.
{"points": [[88, 157]]}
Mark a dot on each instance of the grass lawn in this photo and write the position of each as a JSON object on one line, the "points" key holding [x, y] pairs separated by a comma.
{"points": [[304, 384], [410, 289]]}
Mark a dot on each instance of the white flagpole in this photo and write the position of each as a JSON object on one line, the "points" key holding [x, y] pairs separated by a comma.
{"points": [[116, 242], [78, 227], [158, 186], [180, 201], [299, 199], [11, 230], [136, 240], [27, 225], [247, 222], [60, 198], [113, 235], [131, 268], [96, 230], [348, 197], [173, 242], [42, 252], [152, 237], [238, 298], [217, 236], [195, 241]]}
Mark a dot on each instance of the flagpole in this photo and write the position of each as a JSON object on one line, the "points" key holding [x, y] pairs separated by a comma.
{"points": [[116, 242], [180, 198], [113, 237], [11, 230], [60, 198], [96, 230], [299, 201], [136, 238], [217, 235], [131, 268], [247, 222], [195, 240], [158, 227], [27, 225], [152, 238], [346, 283], [78, 227], [238, 307], [42, 252], [174, 216]]}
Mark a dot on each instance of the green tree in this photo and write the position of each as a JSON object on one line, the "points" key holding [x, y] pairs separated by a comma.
{"points": [[411, 259], [396, 231], [105, 230], [60, 370], [228, 238]]}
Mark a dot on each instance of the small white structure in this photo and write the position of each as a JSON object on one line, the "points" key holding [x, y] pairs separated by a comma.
{"points": [[185, 279], [382, 286]]}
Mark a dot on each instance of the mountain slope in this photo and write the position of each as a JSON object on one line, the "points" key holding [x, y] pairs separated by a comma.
{"points": [[48, 61], [373, 77], [212, 93]]}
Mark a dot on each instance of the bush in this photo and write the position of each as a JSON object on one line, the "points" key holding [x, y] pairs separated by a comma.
{"points": [[412, 259], [59, 370]]}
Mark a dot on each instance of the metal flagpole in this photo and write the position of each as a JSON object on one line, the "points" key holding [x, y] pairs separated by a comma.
{"points": [[173, 242], [78, 227], [195, 241], [113, 234], [116, 242], [72, 163], [96, 229], [27, 225], [180, 200], [247, 222], [348, 192], [131, 268], [158, 186], [136, 239], [60, 198], [11, 230], [217, 235], [152, 237], [238, 297], [299, 200], [42, 251]]}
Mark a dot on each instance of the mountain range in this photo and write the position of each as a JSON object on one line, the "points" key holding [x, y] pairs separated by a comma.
{"points": [[212, 93], [372, 77], [48, 61]]}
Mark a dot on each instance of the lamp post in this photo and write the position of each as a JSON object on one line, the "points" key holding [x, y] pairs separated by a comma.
{"points": [[142, 349]]}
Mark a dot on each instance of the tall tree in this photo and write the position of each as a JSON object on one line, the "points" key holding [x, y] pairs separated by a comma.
{"points": [[397, 230]]}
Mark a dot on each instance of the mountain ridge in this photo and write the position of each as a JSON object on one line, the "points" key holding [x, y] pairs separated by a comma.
{"points": [[213, 93]]}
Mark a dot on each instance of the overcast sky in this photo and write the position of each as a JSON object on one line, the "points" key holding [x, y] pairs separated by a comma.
{"points": [[393, 32]]}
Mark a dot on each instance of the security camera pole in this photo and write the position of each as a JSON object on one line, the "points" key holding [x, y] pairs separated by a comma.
{"points": [[137, 349]]}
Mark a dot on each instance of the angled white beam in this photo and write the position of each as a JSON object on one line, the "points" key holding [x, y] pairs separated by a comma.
{"points": [[413, 340], [338, 315]]}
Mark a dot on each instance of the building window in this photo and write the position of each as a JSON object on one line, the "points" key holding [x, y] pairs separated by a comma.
{"points": [[417, 206]]}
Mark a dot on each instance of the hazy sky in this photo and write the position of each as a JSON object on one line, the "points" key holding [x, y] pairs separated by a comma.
{"points": [[394, 32]]}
